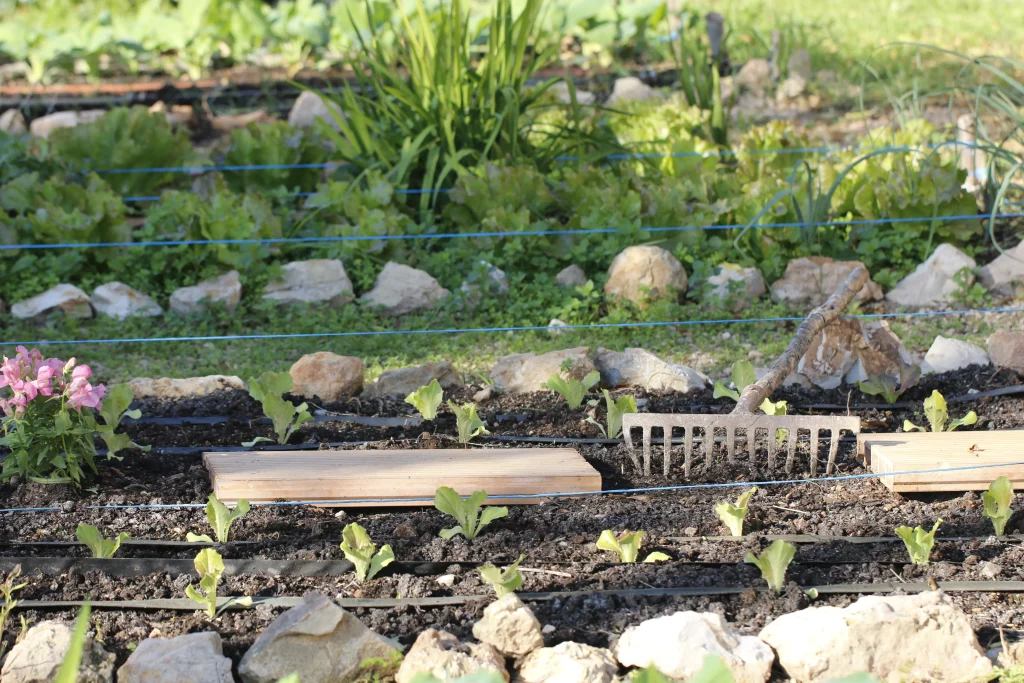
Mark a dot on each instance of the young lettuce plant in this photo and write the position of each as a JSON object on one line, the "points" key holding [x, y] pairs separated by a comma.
{"points": [[503, 581], [733, 515], [890, 388], [210, 567], [468, 422], [616, 409], [427, 399], [997, 503], [768, 407], [115, 409], [743, 375], [466, 512], [918, 541], [937, 414], [627, 546], [773, 563], [8, 588], [572, 389], [220, 518], [269, 389], [360, 551], [102, 548]]}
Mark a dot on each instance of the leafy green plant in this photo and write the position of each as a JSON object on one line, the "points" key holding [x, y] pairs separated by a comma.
{"points": [[427, 399], [210, 567], [269, 389], [8, 588], [479, 676], [220, 518], [937, 414], [743, 375], [360, 208], [698, 69], [115, 409], [769, 407], [616, 409], [733, 515], [918, 541], [712, 670], [68, 671], [360, 551], [274, 146], [572, 389], [773, 563], [467, 421], [891, 388], [997, 502], [102, 548], [627, 546], [503, 581], [466, 512]]}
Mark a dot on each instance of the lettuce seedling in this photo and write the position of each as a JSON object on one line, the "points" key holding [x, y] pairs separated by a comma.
{"points": [[997, 503], [773, 563], [269, 389], [115, 409], [466, 512], [220, 518], [503, 581], [627, 546], [919, 542], [743, 375], [360, 551], [426, 399], [616, 409], [102, 548], [889, 387], [733, 515], [210, 567], [572, 389], [468, 422], [935, 411]]}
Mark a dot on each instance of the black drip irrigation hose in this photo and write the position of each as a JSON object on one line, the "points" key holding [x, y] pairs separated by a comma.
{"points": [[371, 421]]}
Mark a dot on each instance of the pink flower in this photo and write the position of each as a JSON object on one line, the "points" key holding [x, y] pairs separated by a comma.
{"points": [[10, 372], [81, 372], [82, 394], [44, 380], [5, 406]]}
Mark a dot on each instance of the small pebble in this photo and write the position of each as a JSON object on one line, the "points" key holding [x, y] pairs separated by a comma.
{"points": [[727, 335], [690, 531], [405, 530], [340, 514], [483, 395], [548, 629], [447, 580], [991, 570]]}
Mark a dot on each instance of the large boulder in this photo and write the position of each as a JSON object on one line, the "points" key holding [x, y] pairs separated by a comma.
{"points": [[13, 122], [677, 644], [189, 387], [44, 125], [510, 627], [400, 289], [402, 382], [882, 353], [735, 287], [560, 91], [1006, 349], [947, 355], [442, 655], [37, 658], [313, 281], [922, 637], [637, 367], [1005, 273], [120, 301], [852, 350], [641, 274], [317, 640], [568, 663], [310, 108], [523, 372], [192, 658], [327, 375], [933, 281], [571, 276], [67, 298], [632, 89], [226, 289], [811, 280]]}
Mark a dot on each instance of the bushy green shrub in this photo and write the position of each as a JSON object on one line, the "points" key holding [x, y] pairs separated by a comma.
{"points": [[273, 143]]}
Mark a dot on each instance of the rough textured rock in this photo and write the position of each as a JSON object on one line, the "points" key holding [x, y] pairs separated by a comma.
{"points": [[921, 637], [13, 122], [189, 387], [881, 353], [37, 658], [226, 289], [791, 88], [799, 64], [192, 658], [946, 355], [400, 289], [316, 639], [831, 354], [1006, 272], [118, 300], [400, 383], [313, 281], [509, 627], [310, 108], [561, 92], [637, 367], [67, 298], [676, 645], [44, 125], [932, 282], [568, 663], [632, 89], [557, 326], [644, 273], [754, 76], [571, 276], [492, 278], [522, 372], [442, 655], [327, 375], [749, 286], [1006, 349], [810, 281]]}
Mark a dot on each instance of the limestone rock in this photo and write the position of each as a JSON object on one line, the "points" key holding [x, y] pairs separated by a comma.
{"points": [[327, 375], [190, 387], [192, 658], [750, 286], [1005, 273], [644, 273], [67, 298], [37, 658], [791, 88], [310, 108], [568, 663], [676, 645], [557, 326], [754, 76], [1006, 349], [571, 276], [509, 627], [13, 122], [560, 90], [637, 367], [226, 289], [400, 289], [932, 282], [317, 640], [400, 383], [810, 281], [44, 125], [946, 355], [799, 64], [442, 655], [313, 281], [523, 372], [881, 353], [832, 354], [632, 89], [120, 301], [921, 637]]}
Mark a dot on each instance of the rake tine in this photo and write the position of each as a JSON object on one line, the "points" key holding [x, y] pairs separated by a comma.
{"points": [[791, 450], [628, 438], [773, 435], [668, 449], [730, 443], [815, 440], [752, 442], [833, 448], [687, 449], [647, 450]]}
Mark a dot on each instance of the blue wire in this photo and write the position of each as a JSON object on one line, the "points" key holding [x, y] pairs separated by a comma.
{"points": [[192, 170], [438, 190]]}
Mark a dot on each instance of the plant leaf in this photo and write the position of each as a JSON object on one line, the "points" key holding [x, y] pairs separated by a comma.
{"points": [[722, 390], [656, 557], [427, 399], [773, 563], [997, 502], [743, 375], [968, 419]]}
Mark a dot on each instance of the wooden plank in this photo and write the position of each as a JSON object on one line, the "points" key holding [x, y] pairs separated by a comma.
{"points": [[265, 476], [866, 441], [949, 450]]}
